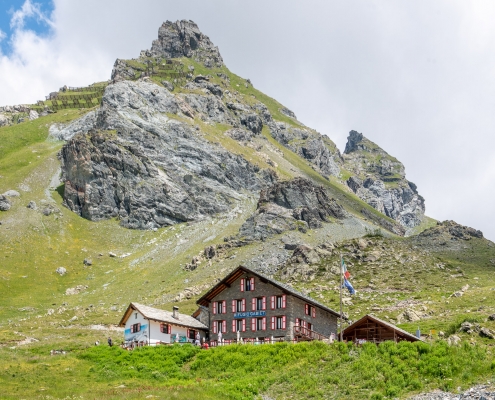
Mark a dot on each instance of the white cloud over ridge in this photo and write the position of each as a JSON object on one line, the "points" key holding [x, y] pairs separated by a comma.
{"points": [[417, 78]]}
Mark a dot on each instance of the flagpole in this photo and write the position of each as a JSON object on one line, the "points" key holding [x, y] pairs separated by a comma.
{"points": [[341, 283]]}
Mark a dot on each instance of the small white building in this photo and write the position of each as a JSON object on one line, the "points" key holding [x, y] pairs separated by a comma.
{"points": [[145, 325]]}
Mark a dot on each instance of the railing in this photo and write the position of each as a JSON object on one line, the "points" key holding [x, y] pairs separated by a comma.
{"points": [[307, 334]]}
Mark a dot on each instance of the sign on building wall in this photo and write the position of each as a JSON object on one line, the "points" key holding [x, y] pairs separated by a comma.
{"points": [[249, 314]]}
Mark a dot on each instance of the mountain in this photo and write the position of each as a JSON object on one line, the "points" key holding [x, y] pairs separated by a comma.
{"points": [[153, 185]]}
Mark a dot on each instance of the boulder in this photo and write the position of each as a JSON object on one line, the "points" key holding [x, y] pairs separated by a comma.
{"points": [[88, 262], [491, 317], [12, 193], [76, 290], [168, 86], [4, 203], [33, 115], [4, 120], [488, 333], [32, 205], [453, 340], [61, 271]]}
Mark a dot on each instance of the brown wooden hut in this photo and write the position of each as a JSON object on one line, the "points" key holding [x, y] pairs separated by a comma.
{"points": [[374, 330]]}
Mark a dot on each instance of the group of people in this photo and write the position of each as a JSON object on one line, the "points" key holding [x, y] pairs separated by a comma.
{"points": [[201, 342]]}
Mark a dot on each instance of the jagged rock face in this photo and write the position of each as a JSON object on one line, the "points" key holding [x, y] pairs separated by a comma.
{"points": [[184, 39], [147, 169], [317, 149], [298, 204], [380, 180]]}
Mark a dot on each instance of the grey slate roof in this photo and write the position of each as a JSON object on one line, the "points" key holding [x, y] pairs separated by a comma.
{"points": [[156, 314]]}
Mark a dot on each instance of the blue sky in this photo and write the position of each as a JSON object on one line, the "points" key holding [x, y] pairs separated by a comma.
{"points": [[31, 19]]}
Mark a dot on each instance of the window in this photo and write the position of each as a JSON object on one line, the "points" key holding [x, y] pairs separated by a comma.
{"points": [[165, 328], [279, 322], [220, 307], [219, 326], [135, 315], [278, 302], [135, 328], [247, 284], [191, 334], [310, 326], [310, 310], [258, 303], [258, 324], [238, 305], [238, 325]]}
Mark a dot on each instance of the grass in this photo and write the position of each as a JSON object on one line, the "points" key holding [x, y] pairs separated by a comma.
{"points": [[305, 370]]}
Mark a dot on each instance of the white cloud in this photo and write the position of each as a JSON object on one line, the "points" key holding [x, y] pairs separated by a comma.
{"points": [[417, 78], [3, 35], [28, 10]]}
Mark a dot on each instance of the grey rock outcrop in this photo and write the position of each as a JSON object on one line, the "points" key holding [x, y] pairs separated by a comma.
{"points": [[319, 150], [450, 230], [135, 165], [298, 204], [379, 179], [67, 132], [184, 39]]}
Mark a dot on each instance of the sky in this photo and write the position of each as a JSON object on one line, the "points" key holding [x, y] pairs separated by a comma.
{"points": [[417, 78]]}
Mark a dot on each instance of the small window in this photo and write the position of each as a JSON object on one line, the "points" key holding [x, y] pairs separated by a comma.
{"points": [[279, 301], [248, 285], [135, 315], [239, 305], [259, 303], [191, 334], [220, 307], [310, 326], [165, 328], [310, 310], [135, 328], [240, 325], [278, 323]]}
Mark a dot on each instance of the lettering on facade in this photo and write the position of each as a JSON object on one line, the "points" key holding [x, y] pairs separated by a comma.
{"points": [[249, 314]]}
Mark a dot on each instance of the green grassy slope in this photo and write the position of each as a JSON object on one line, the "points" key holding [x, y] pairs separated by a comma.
{"points": [[306, 370]]}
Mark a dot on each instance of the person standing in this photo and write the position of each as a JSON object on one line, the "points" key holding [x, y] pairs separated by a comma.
{"points": [[110, 343], [220, 338], [198, 338]]}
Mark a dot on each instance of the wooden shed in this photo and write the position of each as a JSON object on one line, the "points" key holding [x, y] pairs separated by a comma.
{"points": [[374, 330]]}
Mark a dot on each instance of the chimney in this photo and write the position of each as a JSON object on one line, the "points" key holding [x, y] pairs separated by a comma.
{"points": [[175, 313]]}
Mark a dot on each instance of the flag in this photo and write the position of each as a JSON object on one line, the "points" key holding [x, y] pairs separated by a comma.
{"points": [[349, 287], [346, 273]]}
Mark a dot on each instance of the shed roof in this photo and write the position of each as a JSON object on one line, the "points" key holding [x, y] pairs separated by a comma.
{"points": [[397, 330], [156, 314], [239, 271]]}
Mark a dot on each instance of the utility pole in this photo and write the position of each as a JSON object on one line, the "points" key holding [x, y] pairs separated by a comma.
{"points": [[341, 283]]}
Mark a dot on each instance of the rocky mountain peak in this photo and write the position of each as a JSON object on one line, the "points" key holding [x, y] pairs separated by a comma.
{"points": [[380, 180], [184, 39], [353, 141]]}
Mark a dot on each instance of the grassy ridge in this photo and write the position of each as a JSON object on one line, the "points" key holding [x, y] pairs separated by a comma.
{"points": [[306, 370]]}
